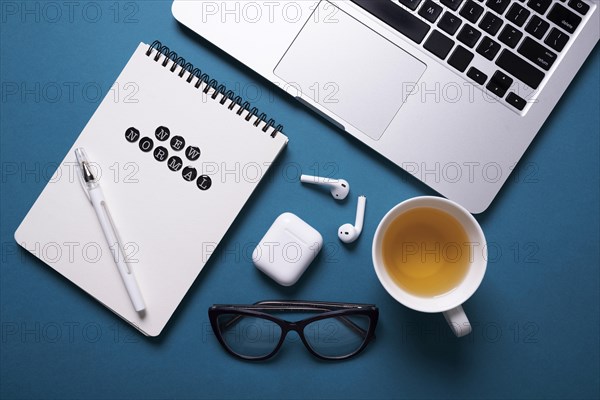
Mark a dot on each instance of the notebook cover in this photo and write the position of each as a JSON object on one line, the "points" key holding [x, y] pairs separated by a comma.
{"points": [[169, 226]]}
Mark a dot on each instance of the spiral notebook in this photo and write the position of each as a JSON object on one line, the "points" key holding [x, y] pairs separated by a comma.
{"points": [[177, 160]]}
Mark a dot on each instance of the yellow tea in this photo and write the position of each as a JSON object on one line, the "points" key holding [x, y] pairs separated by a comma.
{"points": [[426, 252]]}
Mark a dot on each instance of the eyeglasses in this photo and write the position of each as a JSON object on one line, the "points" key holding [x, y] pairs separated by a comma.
{"points": [[251, 332]]}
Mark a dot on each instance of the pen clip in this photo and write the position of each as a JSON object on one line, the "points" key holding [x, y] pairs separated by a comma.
{"points": [[81, 157]]}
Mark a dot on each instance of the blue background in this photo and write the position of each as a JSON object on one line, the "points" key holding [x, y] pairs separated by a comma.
{"points": [[535, 317]]}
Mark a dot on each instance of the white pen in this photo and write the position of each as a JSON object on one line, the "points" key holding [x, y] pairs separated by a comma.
{"points": [[96, 197]]}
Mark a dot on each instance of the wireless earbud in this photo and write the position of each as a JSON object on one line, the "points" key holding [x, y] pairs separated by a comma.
{"points": [[339, 187], [348, 233]]}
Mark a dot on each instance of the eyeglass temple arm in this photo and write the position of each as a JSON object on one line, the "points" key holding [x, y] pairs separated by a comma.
{"points": [[328, 305]]}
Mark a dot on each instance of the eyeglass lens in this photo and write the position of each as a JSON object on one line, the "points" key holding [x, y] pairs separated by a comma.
{"points": [[249, 336], [337, 336]]}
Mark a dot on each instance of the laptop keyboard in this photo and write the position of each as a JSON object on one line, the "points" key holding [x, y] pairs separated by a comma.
{"points": [[522, 38]]}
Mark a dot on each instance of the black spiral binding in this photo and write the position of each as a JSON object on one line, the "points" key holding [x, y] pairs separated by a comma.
{"points": [[219, 90]]}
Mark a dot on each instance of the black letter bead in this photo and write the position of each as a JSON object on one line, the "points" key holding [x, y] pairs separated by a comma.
{"points": [[204, 182], [177, 143], [192, 153], [189, 174], [146, 144], [174, 163], [132, 135], [161, 154], [162, 133]]}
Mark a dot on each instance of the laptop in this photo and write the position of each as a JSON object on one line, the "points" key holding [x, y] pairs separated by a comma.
{"points": [[451, 91]]}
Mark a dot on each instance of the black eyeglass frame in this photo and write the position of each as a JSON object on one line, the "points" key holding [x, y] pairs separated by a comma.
{"points": [[329, 310]]}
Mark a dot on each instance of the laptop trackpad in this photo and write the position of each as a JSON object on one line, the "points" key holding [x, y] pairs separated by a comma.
{"points": [[349, 69]]}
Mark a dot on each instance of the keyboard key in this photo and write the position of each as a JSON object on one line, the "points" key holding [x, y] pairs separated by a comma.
{"points": [[516, 101], [477, 75], [488, 48], [498, 5], [557, 39], [460, 58], [412, 4], [430, 11], [520, 69], [502, 79], [564, 18], [452, 4], [449, 23], [537, 27], [499, 83], [517, 14], [496, 89], [537, 54], [439, 44], [471, 11], [510, 36], [490, 23], [468, 35], [398, 18], [579, 6], [539, 5]]}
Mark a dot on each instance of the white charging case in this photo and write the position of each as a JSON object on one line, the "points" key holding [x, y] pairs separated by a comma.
{"points": [[287, 249]]}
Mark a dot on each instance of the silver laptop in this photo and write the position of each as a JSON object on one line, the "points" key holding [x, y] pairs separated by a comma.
{"points": [[452, 91]]}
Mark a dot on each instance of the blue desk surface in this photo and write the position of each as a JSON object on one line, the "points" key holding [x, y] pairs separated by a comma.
{"points": [[535, 317]]}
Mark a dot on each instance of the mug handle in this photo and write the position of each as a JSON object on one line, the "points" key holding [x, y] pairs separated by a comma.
{"points": [[458, 321]]}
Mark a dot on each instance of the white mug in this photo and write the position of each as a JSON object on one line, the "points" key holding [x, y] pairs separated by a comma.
{"points": [[449, 303]]}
